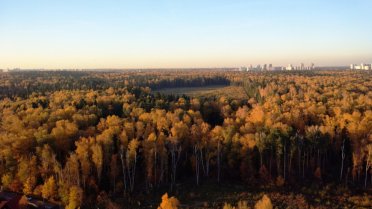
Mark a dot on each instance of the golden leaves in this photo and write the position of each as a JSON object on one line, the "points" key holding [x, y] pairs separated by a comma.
{"points": [[257, 115], [248, 141], [264, 203], [168, 203]]}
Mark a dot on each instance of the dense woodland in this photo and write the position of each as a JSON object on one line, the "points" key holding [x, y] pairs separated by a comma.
{"points": [[91, 138]]}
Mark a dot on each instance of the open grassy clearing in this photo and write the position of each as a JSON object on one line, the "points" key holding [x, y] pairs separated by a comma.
{"points": [[232, 92]]}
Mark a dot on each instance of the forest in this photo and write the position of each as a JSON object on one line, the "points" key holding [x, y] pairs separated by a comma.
{"points": [[105, 140]]}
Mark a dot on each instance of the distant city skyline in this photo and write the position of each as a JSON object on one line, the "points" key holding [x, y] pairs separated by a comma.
{"points": [[86, 34]]}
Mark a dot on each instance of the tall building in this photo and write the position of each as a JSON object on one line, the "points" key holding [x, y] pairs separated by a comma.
{"points": [[362, 66], [243, 69], [258, 67], [290, 67], [250, 67], [302, 67]]}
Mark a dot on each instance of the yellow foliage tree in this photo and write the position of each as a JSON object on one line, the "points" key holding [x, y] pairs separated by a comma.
{"points": [[75, 198], [264, 203], [49, 189], [169, 203], [29, 185]]}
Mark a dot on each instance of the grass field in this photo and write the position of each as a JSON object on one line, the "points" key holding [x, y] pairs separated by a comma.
{"points": [[232, 92]]}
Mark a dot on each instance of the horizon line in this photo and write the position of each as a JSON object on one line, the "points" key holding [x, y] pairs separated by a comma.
{"points": [[159, 68]]}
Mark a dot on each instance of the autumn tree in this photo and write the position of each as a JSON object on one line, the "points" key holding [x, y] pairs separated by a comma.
{"points": [[168, 203], [75, 199], [83, 153], [264, 203], [97, 158], [49, 190], [64, 132], [179, 132], [131, 162], [368, 162]]}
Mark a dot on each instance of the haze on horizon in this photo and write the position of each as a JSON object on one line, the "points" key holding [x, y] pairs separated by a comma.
{"points": [[195, 33]]}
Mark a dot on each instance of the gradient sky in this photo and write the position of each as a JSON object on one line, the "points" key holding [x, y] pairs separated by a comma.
{"points": [[188, 33]]}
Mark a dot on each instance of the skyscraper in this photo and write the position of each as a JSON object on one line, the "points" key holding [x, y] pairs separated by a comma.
{"points": [[290, 67]]}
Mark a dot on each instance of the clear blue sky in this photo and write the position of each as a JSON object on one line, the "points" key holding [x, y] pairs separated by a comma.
{"points": [[188, 33]]}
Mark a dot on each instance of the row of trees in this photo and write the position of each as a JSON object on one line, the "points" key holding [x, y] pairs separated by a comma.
{"points": [[71, 145], [23, 84]]}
